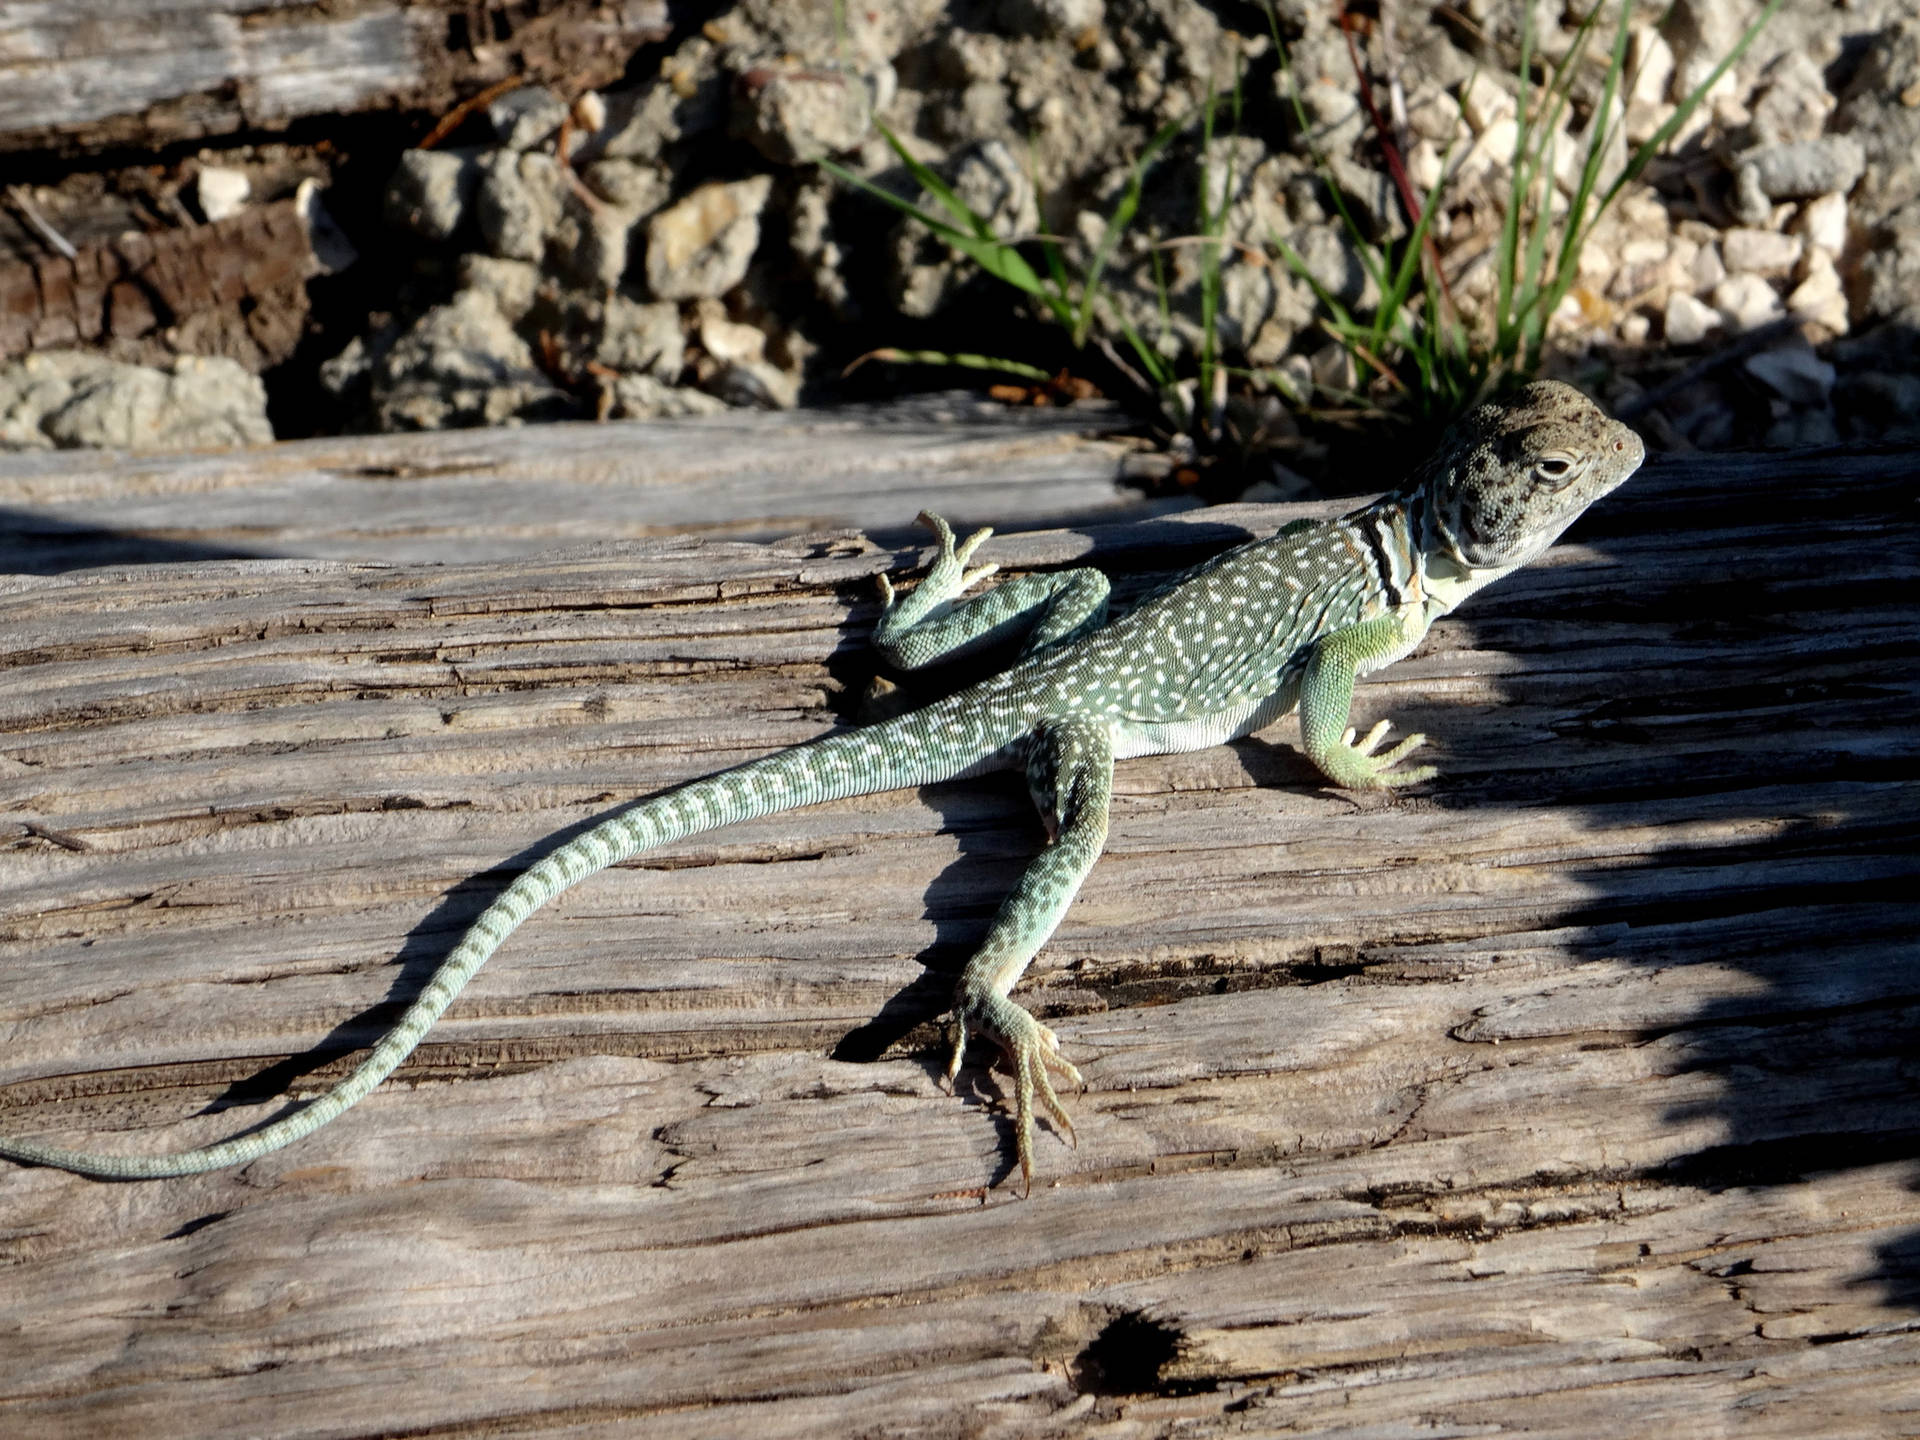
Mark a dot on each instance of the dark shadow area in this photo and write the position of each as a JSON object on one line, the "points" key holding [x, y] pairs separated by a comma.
{"points": [[33, 544], [1761, 609]]}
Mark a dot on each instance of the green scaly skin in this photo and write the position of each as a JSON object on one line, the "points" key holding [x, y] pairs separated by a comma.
{"points": [[1222, 650]]}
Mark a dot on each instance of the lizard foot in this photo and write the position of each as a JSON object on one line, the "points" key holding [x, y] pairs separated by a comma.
{"points": [[948, 575], [1033, 1054], [1361, 769]]}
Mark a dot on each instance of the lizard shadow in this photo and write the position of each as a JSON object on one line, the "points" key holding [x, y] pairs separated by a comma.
{"points": [[1744, 783]]}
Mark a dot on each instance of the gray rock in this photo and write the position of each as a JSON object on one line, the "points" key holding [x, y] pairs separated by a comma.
{"points": [[512, 285], [463, 364], [796, 116], [1688, 320], [641, 397], [523, 118], [1760, 252], [640, 338], [74, 400], [432, 191], [1878, 111], [519, 203], [1794, 102], [591, 242], [1803, 169], [630, 184], [689, 99], [1889, 274], [1746, 302], [755, 384], [991, 182], [703, 245]]}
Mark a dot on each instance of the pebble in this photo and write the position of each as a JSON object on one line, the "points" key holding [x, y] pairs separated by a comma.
{"points": [[1820, 297], [1823, 223], [703, 245], [221, 192], [1689, 320], [1746, 302], [1760, 252]]}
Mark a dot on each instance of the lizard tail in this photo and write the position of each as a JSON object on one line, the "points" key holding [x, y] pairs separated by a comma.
{"points": [[889, 756]]}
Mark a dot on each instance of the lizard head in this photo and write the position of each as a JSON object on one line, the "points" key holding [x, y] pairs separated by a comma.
{"points": [[1513, 474]]}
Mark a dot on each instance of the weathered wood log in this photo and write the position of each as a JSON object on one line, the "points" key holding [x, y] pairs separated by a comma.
{"points": [[90, 74], [236, 287], [1571, 1095], [494, 494]]}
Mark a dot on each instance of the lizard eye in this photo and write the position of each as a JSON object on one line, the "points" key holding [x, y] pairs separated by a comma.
{"points": [[1554, 468]]}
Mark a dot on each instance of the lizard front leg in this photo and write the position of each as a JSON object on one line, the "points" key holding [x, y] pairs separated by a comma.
{"points": [[926, 624], [1071, 771], [1326, 698]]}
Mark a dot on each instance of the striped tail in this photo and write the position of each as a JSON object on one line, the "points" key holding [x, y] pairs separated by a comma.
{"points": [[896, 755]]}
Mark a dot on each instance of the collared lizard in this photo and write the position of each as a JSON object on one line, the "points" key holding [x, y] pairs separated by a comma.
{"points": [[1224, 649]]}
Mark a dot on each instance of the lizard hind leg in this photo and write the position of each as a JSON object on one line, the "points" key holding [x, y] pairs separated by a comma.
{"points": [[1077, 755]]}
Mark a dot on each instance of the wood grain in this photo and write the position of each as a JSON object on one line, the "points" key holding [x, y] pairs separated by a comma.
{"points": [[89, 74], [498, 494], [1571, 1095]]}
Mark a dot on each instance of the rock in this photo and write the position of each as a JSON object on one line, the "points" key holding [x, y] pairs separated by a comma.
{"points": [[1889, 273], [462, 364], [1820, 297], [702, 245], [332, 250], [1760, 252], [641, 397], [726, 340], [1688, 321], [432, 191], [1794, 373], [1701, 33], [590, 113], [689, 99], [1878, 112], [756, 384], [1823, 223], [221, 192], [990, 181], [1650, 63], [592, 240], [641, 338], [1050, 17], [523, 118], [796, 116], [1746, 302], [73, 399], [518, 205], [1484, 100], [631, 185], [1794, 101], [511, 285], [1803, 169]]}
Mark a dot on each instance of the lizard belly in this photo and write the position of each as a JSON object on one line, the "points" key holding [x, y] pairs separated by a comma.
{"points": [[1176, 737]]}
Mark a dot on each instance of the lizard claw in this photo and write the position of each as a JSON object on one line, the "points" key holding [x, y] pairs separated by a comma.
{"points": [[1373, 771], [1033, 1055]]}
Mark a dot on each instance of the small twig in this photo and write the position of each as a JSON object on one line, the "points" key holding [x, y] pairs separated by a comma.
{"points": [[56, 837], [63, 246], [452, 120], [1390, 152]]}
